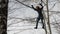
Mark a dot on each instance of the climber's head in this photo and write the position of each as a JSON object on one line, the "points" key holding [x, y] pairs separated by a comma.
{"points": [[37, 7]]}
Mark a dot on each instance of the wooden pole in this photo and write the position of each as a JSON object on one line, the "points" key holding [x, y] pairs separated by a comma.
{"points": [[48, 22]]}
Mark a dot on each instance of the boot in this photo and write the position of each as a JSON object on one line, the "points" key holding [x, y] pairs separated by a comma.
{"points": [[43, 27], [35, 27]]}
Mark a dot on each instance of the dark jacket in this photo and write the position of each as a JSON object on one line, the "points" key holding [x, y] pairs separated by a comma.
{"points": [[39, 11]]}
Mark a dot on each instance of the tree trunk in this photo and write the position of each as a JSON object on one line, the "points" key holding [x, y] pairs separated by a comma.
{"points": [[3, 16]]}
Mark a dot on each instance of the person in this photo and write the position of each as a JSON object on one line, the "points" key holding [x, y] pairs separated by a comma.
{"points": [[40, 15]]}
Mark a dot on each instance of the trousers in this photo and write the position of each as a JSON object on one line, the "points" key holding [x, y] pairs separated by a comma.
{"points": [[39, 18]]}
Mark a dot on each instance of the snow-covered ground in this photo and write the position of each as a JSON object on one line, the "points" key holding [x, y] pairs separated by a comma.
{"points": [[22, 20]]}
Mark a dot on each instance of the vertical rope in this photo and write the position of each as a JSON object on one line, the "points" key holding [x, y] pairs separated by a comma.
{"points": [[45, 22], [41, 2]]}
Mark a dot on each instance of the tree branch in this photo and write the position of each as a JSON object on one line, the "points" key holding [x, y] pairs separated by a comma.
{"points": [[23, 4]]}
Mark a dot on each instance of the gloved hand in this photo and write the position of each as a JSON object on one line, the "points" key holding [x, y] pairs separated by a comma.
{"points": [[32, 5], [40, 4]]}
